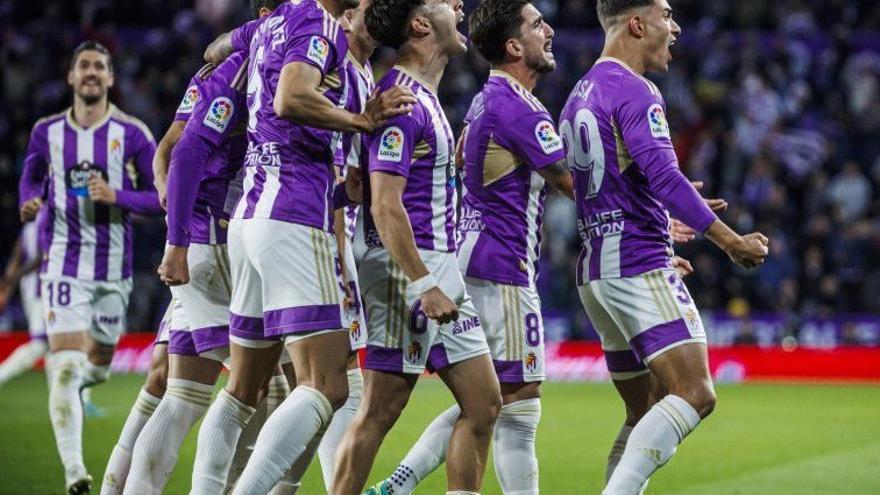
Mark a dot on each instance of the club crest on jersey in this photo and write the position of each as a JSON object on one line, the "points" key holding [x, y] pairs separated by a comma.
{"points": [[657, 121], [414, 352], [319, 50], [219, 114], [547, 137], [391, 145], [190, 98], [116, 149]]}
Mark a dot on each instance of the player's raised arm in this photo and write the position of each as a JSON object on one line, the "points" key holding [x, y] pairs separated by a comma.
{"points": [[219, 49], [162, 159], [33, 177]]}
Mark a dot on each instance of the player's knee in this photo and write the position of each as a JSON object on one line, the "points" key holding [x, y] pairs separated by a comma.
{"points": [[702, 399], [483, 414], [157, 381], [381, 414], [336, 392]]}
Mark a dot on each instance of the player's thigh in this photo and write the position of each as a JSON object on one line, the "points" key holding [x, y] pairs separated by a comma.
{"points": [[67, 311], [386, 394], [302, 289], [194, 368], [321, 362], [636, 395], [110, 305], [157, 377], [654, 310], [250, 368], [621, 361], [475, 387], [684, 371]]}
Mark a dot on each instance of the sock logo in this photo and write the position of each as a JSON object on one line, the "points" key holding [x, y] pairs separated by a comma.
{"points": [[653, 454]]}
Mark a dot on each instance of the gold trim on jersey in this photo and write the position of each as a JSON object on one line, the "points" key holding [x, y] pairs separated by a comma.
{"points": [[426, 85], [97, 125], [624, 160], [530, 99], [498, 163]]}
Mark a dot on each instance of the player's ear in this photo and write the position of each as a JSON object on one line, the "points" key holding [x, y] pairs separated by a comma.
{"points": [[514, 48], [636, 26], [420, 26]]}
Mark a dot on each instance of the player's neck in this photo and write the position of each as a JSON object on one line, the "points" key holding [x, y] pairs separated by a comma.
{"points": [[86, 115], [628, 55], [333, 6], [527, 77], [425, 62], [361, 49]]}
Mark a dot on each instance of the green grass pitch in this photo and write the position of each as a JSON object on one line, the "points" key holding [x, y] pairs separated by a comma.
{"points": [[763, 439]]}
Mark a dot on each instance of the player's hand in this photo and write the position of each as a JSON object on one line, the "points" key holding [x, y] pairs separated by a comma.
{"points": [[437, 306], [715, 205], [100, 191], [161, 185], [174, 269], [29, 209], [385, 105], [680, 232], [751, 250], [682, 266]]}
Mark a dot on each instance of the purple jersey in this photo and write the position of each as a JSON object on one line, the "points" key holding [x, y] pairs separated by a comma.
{"points": [[351, 154], [242, 36], [289, 166], [419, 147], [618, 147], [510, 137], [87, 240], [198, 203]]}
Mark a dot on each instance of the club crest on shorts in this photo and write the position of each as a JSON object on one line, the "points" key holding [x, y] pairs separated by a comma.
{"points": [[414, 352], [355, 330], [531, 362]]}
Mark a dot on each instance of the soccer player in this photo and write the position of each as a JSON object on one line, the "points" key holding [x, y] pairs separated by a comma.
{"points": [[511, 151], [96, 160], [419, 313], [281, 246], [626, 178], [21, 272]]}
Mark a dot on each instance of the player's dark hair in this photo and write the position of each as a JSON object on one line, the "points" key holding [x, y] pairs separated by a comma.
{"points": [[388, 20], [609, 9], [93, 46], [493, 23], [256, 5]]}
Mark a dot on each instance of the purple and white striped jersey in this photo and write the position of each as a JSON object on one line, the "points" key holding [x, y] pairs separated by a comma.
{"points": [[351, 153], [86, 240], [626, 174], [203, 189], [289, 173], [420, 147], [510, 137]]}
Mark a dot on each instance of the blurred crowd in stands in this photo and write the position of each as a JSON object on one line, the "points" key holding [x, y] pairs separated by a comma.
{"points": [[774, 105]]}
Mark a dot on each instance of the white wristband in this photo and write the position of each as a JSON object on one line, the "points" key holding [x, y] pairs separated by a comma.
{"points": [[423, 284]]}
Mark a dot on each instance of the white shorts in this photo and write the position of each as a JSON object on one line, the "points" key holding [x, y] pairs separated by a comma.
{"points": [[205, 302], [286, 281], [32, 305], [357, 330], [73, 305], [164, 333], [511, 317], [639, 318], [400, 338]]}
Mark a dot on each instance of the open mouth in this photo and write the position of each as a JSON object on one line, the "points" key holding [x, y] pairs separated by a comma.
{"points": [[548, 47]]}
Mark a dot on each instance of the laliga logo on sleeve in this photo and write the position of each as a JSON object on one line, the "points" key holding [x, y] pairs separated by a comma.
{"points": [[189, 100], [391, 145], [657, 121], [219, 114], [319, 49], [547, 137]]}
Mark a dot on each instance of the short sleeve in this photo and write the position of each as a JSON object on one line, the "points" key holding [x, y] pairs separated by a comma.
{"points": [[534, 139], [391, 147], [218, 111], [313, 49], [191, 98]]}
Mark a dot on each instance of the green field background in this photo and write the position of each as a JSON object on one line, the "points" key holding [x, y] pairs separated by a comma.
{"points": [[762, 439]]}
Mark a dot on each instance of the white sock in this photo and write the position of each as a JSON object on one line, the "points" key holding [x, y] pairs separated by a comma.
{"points": [[285, 438], [218, 437], [93, 374], [651, 444], [516, 465], [22, 359], [120, 459], [617, 449], [342, 419], [65, 410], [277, 391], [427, 454], [157, 447]]}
